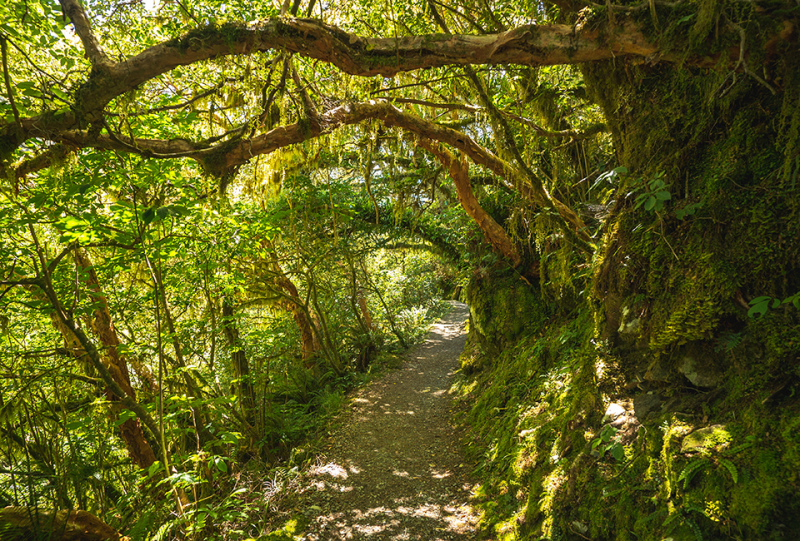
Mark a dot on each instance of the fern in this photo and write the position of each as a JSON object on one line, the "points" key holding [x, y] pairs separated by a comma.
{"points": [[695, 529], [670, 522], [728, 465], [161, 533], [692, 469]]}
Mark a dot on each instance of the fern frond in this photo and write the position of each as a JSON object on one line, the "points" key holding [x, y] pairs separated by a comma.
{"points": [[691, 469], [728, 465]]}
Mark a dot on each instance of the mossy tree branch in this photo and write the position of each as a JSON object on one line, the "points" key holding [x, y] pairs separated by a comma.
{"points": [[528, 45]]}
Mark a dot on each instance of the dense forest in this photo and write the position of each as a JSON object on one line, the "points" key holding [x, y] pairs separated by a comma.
{"points": [[219, 217]]}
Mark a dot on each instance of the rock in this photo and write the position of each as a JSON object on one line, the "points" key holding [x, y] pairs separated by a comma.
{"points": [[714, 437], [627, 324], [646, 403], [613, 412], [700, 374], [656, 373]]}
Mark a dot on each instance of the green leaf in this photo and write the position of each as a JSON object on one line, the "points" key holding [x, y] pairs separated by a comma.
{"points": [[229, 437], [618, 452], [59, 93], [760, 306], [124, 415], [148, 215], [664, 196], [758, 310], [651, 203], [71, 222], [8, 30], [32, 93]]}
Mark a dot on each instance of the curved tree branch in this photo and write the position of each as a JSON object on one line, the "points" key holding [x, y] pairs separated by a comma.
{"points": [[222, 160], [459, 172], [530, 45]]}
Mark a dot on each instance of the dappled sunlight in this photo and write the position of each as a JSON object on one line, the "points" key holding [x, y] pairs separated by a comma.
{"points": [[334, 470], [399, 412], [388, 517], [393, 473]]}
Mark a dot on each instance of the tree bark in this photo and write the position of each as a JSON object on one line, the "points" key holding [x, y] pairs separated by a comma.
{"points": [[529, 45], [235, 155], [139, 450], [78, 343], [22, 523], [459, 172], [295, 304], [103, 327]]}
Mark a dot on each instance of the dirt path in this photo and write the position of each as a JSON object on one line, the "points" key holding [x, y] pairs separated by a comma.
{"points": [[394, 471]]}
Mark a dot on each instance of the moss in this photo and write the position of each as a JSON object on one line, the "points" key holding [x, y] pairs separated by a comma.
{"points": [[719, 461], [229, 33], [707, 440], [501, 309]]}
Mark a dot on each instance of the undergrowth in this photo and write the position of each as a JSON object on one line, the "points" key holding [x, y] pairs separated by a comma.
{"points": [[255, 496]]}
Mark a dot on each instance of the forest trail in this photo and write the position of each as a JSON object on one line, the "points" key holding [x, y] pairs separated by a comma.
{"points": [[394, 470]]}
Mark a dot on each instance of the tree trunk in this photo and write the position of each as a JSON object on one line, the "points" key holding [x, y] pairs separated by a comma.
{"points": [[139, 449], [295, 304], [241, 366], [23, 523]]}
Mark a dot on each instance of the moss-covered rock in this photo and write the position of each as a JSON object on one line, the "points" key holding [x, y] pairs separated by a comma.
{"points": [[503, 308]]}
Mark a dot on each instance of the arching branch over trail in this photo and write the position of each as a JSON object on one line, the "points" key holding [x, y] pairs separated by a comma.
{"points": [[222, 160], [459, 172], [529, 45]]}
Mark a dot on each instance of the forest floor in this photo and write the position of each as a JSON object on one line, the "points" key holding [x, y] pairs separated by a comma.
{"points": [[393, 469]]}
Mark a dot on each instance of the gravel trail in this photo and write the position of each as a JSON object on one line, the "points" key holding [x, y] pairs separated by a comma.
{"points": [[394, 470]]}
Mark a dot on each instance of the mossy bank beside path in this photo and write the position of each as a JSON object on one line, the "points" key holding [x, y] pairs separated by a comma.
{"points": [[394, 469]]}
